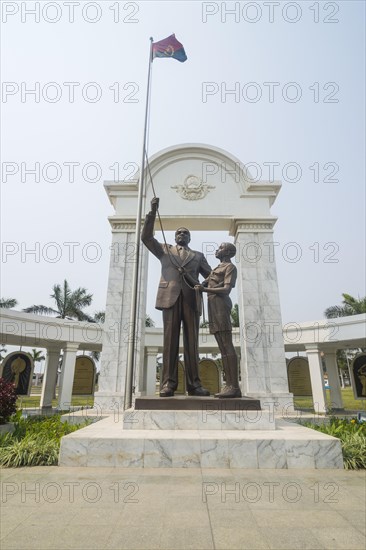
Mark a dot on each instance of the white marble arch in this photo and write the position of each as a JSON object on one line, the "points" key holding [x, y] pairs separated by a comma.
{"points": [[204, 188]]}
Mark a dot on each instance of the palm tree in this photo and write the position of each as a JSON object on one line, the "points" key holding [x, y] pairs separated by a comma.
{"points": [[351, 306], [8, 303], [37, 355], [69, 304], [99, 317]]}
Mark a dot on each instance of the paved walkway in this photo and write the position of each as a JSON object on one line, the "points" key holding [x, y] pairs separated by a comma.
{"points": [[104, 508]]}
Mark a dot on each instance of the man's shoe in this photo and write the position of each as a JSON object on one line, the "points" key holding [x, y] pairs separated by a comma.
{"points": [[199, 392], [229, 393], [166, 392], [223, 390]]}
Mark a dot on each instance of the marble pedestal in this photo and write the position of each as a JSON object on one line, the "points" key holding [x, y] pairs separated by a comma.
{"points": [[219, 419], [192, 403], [186, 439]]}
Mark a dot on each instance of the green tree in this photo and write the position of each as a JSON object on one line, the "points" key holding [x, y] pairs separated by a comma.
{"points": [[235, 316], [8, 303], [148, 321], [99, 317], [350, 306], [37, 355], [69, 304]]}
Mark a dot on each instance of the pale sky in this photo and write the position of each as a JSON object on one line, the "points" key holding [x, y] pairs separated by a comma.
{"points": [[276, 52]]}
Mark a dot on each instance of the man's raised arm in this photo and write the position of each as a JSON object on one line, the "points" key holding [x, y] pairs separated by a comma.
{"points": [[147, 233]]}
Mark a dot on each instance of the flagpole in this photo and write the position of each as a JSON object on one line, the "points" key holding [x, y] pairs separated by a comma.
{"points": [[135, 274]]}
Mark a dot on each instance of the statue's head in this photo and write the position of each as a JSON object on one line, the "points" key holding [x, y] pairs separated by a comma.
{"points": [[182, 236], [225, 250]]}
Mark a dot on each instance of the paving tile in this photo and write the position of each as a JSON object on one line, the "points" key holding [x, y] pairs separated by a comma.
{"points": [[127, 537], [96, 516], [173, 509], [236, 537], [5, 473], [146, 516], [12, 516], [185, 518], [291, 539], [25, 476], [344, 538], [32, 537], [356, 518], [223, 517], [186, 502], [356, 493], [306, 518], [49, 515], [192, 538], [84, 537]]}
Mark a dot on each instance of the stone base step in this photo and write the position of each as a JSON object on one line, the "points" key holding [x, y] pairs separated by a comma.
{"points": [[192, 403], [211, 419], [107, 444]]}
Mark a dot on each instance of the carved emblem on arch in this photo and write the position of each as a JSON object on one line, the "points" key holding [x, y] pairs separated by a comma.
{"points": [[193, 188]]}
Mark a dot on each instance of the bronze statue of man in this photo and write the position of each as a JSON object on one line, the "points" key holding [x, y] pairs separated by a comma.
{"points": [[180, 269], [218, 286]]}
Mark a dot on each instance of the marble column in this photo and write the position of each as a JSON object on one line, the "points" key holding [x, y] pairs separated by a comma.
{"points": [[110, 395], [263, 363], [333, 379], [67, 376], [50, 377], [150, 370], [317, 378]]}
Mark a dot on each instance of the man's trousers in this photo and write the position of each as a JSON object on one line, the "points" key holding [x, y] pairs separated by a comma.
{"points": [[173, 317]]}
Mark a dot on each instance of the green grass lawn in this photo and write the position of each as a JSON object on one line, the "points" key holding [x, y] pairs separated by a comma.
{"points": [[33, 401], [348, 401], [300, 402]]}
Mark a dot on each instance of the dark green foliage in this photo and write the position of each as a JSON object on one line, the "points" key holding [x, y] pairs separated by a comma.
{"points": [[35, 441], [69, 303], [8, 303], [8, 400], [350, 306], [352, 435], [29, 451], [235, 315]]}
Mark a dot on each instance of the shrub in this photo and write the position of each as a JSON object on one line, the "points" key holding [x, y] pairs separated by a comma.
{"points": [[29, 451], [8, 400], [354, 451], [49, 426], [352, 435], [35, 441]]}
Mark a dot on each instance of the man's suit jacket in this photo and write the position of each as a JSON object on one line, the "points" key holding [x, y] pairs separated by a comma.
{"points": [[172, 282]]}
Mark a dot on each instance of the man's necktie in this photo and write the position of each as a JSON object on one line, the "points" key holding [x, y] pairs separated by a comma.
{"points": [[183, 253]]}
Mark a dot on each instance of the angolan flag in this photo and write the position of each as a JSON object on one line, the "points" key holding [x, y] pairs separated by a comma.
{"points": [[169, 47]]}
